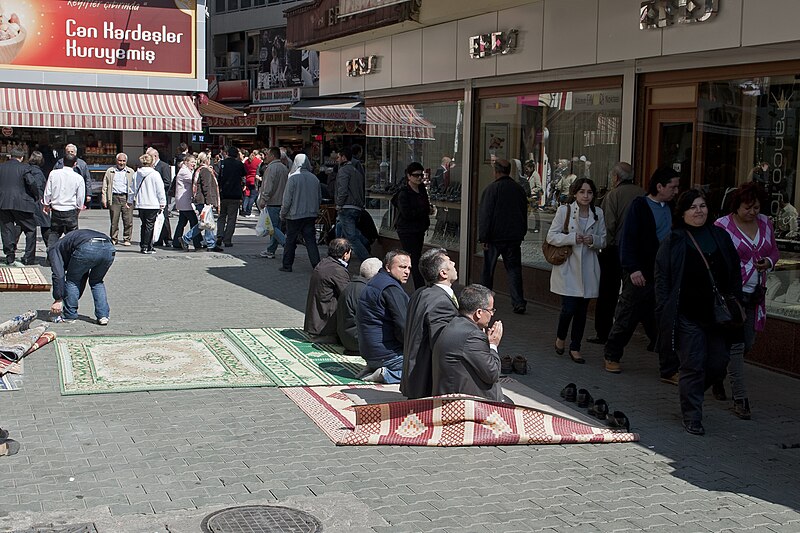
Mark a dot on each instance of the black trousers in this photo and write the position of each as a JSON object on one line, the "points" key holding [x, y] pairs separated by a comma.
{"points": [[306, 228], [185, 217], [636, 304], [11, 223], [166, 233], [61, 223], [412, 243], [704, 354], [148, 218], [610, 278], [512, 259]]}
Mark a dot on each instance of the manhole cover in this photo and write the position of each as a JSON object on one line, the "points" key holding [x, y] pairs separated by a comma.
{"points": [[72, 528], [261, 519]]}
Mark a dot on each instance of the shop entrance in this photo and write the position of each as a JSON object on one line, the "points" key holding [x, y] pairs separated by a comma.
{"points": [[672, 137]]}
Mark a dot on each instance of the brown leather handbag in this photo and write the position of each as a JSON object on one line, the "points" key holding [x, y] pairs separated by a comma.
{"points": [[558, 255]]}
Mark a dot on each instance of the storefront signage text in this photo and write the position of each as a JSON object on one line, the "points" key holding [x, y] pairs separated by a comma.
{"points": [[779, 160], [491, 44], [290, 94], [351, 7], [655, 14], [123, 37], [361, 66]]}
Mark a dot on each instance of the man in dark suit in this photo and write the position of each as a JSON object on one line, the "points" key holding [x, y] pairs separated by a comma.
{"points": [[16, 209], [80, 167], [431, 309], [465, 358], [327, 283], [165, 237]]}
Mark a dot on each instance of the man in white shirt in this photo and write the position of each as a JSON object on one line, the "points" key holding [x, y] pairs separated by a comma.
{"points": [[64, 195], [117, 184]]}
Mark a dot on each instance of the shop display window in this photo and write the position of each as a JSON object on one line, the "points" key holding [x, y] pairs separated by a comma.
{"points": [[550, 139], [430, 134], [748, 131]]}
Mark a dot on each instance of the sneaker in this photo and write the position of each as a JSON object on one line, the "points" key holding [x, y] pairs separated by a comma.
{"points": [[613, 366], [15, 264], [267, 255], [126, 243], [694, 427], [741, 408], [103, 321]]}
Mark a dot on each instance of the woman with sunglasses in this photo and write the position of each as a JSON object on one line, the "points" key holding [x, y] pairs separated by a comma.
{"points": [[412, 211]]}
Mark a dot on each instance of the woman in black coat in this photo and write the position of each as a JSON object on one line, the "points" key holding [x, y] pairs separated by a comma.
{"points": [[685, 303], [413, 211]]}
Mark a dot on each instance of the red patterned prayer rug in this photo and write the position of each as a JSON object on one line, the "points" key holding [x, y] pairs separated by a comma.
{"points": [[23, 279], [451, 420], [7, 367]]}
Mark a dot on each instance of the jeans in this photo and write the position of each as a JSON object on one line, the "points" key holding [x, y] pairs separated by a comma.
{"points": [[412, 243], [278, 237], [573, 309], [348, 218], [194, 233], [704, 354], [393, 367], [247, 203], [148, 218], [610, 277], [61, 223], [119, 206], [90, 262], [226, 222], [185, 217], [9, 220], [512, 259], [306, 228], [738, 351]]}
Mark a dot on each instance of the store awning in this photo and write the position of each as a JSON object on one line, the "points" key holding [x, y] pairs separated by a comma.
{"points": [[217, 110], [400, 121], [347, 109], [86, 110]]}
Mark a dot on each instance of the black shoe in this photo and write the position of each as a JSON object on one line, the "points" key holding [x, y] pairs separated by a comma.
{"points": [[599, 410], [519, 310], [215, 249], [285, 269], [718, 390], [694, 427], [618, 420], [741, 408], [597, 340], [584, 399], [227, 244], [569, 392]]}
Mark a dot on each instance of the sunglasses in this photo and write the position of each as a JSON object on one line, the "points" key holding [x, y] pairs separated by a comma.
{"points": [[417, 174]]}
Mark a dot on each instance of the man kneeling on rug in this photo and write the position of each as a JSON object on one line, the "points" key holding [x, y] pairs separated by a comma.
{"points": [[328, 281], [465, 358], [82, 255]]}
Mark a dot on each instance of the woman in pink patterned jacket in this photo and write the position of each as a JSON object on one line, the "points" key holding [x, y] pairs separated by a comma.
{"points": [[754, 239]]}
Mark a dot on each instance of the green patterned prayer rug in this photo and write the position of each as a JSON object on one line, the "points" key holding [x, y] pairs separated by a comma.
{"points": [[166, 361], [291, 359]]}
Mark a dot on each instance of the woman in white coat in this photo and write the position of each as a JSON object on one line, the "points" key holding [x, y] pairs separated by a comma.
{"points": [[577, 280]]}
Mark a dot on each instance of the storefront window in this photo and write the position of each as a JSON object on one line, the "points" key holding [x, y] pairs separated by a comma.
{"points": [[430, 134], [550, 139], [749, 131]]}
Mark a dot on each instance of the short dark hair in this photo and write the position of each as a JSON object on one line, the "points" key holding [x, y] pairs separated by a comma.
{"points": [[502, 166], [338, 247], [70, 160], [233, 152], [414, 167], [662, 176], [275, 152], [183, 147], [36, 158], [431, 263], [472, 298], [391, 254], [357, 150], [346, 152], [747, 194], [685, 201]]}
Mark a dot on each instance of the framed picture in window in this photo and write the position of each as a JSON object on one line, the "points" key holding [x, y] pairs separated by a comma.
{"points": [[496, 139]]}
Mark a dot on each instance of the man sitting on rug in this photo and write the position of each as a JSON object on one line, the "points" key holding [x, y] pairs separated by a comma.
{"points": [[328, 281], [381, 320], [82, 255], [431, 309], [347, 305], [465, 358]]}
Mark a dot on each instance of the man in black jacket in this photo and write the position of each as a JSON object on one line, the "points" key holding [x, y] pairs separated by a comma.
{"points": [[502, 225], [231, 180], [16, 209]]}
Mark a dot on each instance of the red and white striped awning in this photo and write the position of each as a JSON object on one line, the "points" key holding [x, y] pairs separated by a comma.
{"points": [[87, 110], [401, 121]]}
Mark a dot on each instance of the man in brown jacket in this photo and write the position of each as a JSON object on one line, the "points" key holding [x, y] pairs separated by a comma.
{"points": [[328, 281]]}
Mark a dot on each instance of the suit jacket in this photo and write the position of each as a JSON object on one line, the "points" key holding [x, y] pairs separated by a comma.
{"points": [[166, 173], [328, 280], [430, 310], [346, 309], [463, 362], [14, 196]]}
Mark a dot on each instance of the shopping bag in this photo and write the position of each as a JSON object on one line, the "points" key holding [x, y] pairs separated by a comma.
{"points": [[206, 219], [264, 227], [158, 226]]}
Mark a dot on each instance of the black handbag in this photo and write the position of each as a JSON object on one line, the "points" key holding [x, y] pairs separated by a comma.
{"points": [[728, 310]]}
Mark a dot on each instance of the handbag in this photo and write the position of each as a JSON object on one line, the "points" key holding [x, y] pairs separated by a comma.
{"points": [[728, 311], [558, 255]]}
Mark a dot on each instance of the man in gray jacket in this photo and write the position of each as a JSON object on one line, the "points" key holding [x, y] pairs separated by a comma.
{"points": [[350, 200], [300, 210], [273, 186]]}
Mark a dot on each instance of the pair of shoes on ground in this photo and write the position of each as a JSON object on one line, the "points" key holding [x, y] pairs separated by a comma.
{"points": [[573, 354], [372, 376], [7, 446], [596, 408], [266, 254], [518, 364]]}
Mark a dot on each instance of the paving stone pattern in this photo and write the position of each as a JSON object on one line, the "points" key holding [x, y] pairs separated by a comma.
{"points": [[170, 457]]}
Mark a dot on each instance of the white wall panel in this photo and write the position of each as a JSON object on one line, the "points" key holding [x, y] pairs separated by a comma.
{"points": [[618, 33], [351, 84], [770, 21], [382, 78], [722, 31], [529, 20], [570, 33], [330, 73], [439, 53], [466, 67], [407, 59]]}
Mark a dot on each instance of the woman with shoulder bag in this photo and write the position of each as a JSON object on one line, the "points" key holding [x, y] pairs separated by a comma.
{"points": [[754, 239], [577, 279], [183, 200], [206, 193], [689, 308]]}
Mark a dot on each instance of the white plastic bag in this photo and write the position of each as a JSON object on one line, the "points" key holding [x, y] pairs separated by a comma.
{"points": [[206, 219], [264, 227], [158, 226]]}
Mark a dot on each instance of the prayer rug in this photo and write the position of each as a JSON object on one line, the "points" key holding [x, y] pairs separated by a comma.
{"points": [[291, 359], [166, 361], [360, 415], [10, 382], [23, 279]]}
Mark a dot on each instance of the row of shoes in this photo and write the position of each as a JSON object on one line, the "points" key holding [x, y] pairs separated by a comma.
{"points": [[450, 194], [7, 446], [596, 408], [518, 364]]}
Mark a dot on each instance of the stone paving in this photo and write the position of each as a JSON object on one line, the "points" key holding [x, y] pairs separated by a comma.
{"points": [[161, 461]]}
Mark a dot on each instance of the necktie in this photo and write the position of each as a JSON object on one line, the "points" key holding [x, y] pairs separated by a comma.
{"points": [[454, 300]]}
